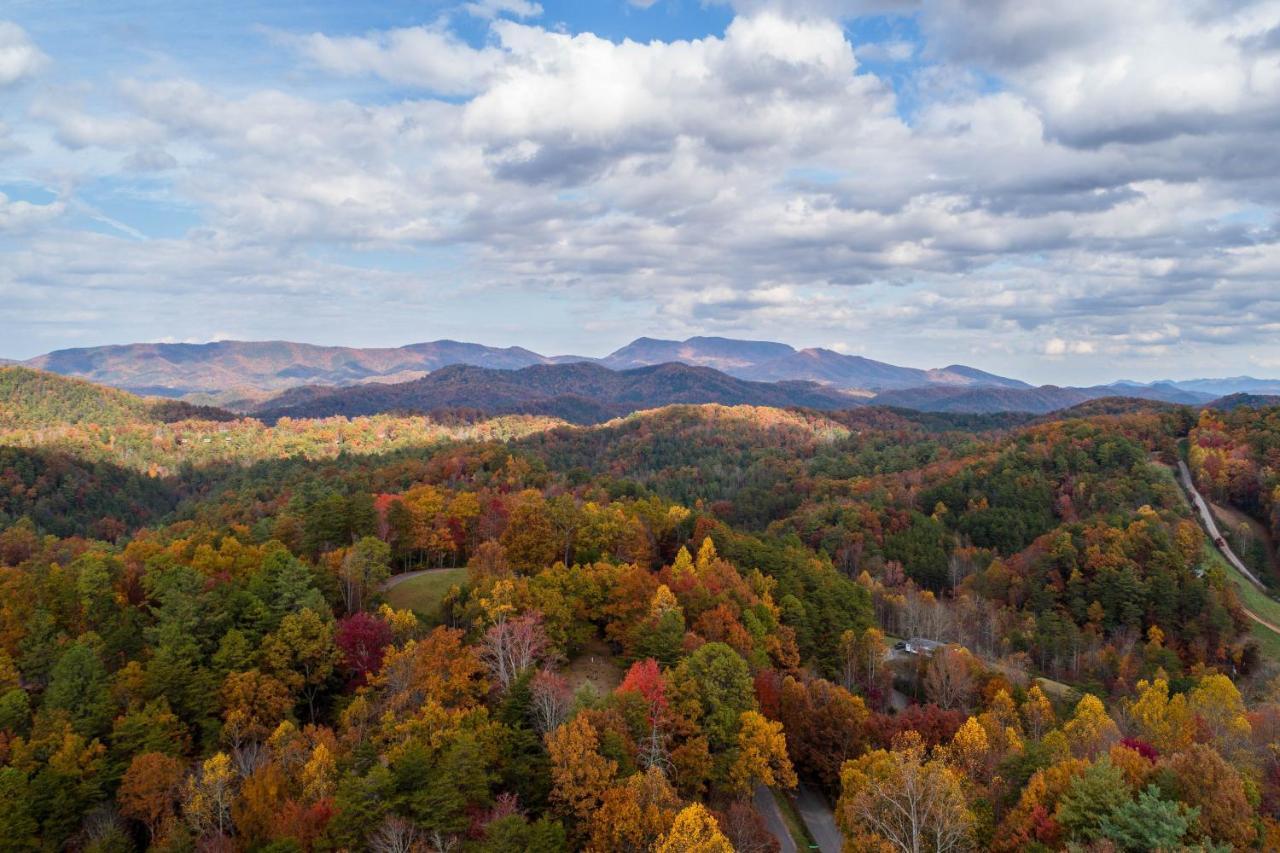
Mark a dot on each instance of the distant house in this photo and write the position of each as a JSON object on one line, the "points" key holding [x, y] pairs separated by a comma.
{"points": [[921, 646]]}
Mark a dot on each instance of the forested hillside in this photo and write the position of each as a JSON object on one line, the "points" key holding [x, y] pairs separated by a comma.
{"points": [[461, 634], [1235, 457]]}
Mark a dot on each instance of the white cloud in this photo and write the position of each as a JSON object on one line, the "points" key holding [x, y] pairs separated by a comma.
{"points": [[759, 182], [19, 56], [1136, 71], [430, 58], [22, 216], [1058, 347]]}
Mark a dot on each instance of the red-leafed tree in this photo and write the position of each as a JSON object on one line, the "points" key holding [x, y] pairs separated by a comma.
{"points": [[645, 679], [362, 640]]}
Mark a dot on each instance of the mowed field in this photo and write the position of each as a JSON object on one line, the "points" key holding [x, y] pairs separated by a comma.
{"points": [[423, 593], [1254, 600]]}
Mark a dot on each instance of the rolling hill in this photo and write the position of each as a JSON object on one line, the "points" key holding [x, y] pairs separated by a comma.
{"points": [[1246, 401], [35, 399], [1227, 386]]}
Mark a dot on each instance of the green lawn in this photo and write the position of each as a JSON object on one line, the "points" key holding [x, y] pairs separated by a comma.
{"points": [[1254, 599], [423, 594]]}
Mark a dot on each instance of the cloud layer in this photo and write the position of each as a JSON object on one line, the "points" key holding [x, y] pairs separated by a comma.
{"points": [[1083, 188]]}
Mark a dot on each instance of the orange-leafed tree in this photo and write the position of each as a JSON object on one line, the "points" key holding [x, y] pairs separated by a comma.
{"points": [[581, 775], [634, 814], [439, 667], [253, 704], [150, 790], [1205, 781]]}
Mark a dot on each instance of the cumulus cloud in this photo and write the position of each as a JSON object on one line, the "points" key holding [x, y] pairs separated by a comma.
{"points": [[1074, 183], [1137, 71], [18, 216], [20, 58], [428, 57]]}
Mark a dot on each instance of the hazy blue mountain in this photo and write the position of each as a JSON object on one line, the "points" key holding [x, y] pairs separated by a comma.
{"points": [[257, 367], [767, 361], [178, 369]]}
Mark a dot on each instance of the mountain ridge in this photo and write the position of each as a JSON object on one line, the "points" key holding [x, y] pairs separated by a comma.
{"points": [[580, 392], [269, 367], [245, 373]]}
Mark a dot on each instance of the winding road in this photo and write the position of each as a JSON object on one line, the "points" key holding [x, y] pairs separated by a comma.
{"points": [[1220, 542], [767, 806], [396, 580], [818, 819]]}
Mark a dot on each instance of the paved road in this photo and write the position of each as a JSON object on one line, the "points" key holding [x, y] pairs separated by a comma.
{"points": [[1206, 518], [396, 580], [819, 820], [768, 808]]}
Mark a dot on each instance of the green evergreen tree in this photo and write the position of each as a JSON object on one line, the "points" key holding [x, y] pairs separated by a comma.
{"points": [[1147, 823], [1096, 794], [78, 686]]}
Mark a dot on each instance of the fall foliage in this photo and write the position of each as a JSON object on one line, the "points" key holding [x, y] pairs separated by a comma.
{"points": [[649, 622]]}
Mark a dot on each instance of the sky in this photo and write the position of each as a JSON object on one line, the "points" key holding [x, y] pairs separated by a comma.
{"points": [[1069, 192]]}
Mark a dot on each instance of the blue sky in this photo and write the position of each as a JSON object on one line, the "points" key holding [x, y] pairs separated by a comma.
{"points": [[1070, 192]]}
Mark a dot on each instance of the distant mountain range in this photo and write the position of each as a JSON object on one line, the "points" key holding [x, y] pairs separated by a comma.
{"points": [[766, 361], [249, 375], [271, 366], [1042, 400], [580, 392], [590, 393], [174, 370], [1213, 387]]}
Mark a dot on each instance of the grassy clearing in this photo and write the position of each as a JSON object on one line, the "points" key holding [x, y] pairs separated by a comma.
{"points": [[424, 593], [1254, 600], [1248, 538], [1252, 597], [1268, 640], [594, 666]]}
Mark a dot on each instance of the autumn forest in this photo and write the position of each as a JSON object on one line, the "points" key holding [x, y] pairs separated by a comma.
{"points": [[692, 628]]}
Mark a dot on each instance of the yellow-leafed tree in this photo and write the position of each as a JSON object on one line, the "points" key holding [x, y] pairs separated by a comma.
{"points": [[695, 831]]}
